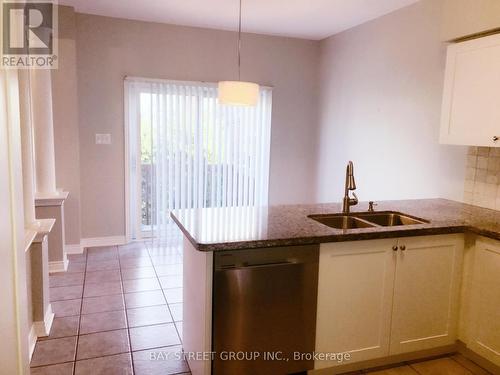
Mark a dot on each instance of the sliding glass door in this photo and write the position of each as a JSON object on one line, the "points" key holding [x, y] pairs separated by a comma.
{"points": [[186, 151]]}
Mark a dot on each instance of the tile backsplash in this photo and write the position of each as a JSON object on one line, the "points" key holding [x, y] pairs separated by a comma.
{"points": [[482, 177]]}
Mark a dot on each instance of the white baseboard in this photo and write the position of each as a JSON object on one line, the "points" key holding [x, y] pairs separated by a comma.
{"points": [[42, 329], [73, 249], [32, 340], [59, 266], [103, 241]]}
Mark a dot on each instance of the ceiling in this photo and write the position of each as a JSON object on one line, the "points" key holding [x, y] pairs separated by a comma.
{"points": [[308, 19]]}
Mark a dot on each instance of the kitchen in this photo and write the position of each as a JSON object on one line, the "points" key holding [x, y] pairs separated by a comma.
{"points": [[349, 218]]}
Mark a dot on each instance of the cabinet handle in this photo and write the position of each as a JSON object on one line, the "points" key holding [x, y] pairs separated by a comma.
{"points": [[495, 138], [403, 247], [394, 248]]}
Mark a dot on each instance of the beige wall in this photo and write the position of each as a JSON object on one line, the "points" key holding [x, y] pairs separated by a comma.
{"points": [[381, 88], [65, 110], [467, 17], [109, 49]]}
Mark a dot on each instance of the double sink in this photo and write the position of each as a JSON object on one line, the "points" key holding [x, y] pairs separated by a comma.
{"points": [[359, 220]]}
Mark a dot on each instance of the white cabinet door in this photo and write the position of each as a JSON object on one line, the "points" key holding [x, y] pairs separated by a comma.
{"points": [[426, 292], [471, 106], [485, 308], [355, 299]]}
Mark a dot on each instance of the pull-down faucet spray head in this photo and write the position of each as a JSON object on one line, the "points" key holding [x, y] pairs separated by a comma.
{"points": [[351, 184]]}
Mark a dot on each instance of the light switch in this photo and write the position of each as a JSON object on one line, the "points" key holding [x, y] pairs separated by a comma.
{"points": [[103, 139]]}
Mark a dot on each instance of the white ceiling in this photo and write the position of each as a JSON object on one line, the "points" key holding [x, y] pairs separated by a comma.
{"points": [[309, 19]]}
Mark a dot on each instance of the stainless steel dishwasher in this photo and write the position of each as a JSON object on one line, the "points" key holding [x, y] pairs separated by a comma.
{"points": [[264, 310]]}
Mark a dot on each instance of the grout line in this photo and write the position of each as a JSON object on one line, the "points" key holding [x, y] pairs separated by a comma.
{"points": [[126, 315], [104, 356], [414, 369], [80, 315], [53, 364]]}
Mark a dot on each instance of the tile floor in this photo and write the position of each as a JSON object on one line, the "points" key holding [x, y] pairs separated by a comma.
{"points": [[115, 309], [455, 364], [118, 311]]}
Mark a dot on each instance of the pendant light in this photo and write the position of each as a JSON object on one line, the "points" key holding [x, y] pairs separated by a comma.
{"points": [[238, 92]]}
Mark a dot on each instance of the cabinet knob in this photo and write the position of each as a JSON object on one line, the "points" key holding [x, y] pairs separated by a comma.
{"points": [[495, 138], [394, 248], [403, 247]]}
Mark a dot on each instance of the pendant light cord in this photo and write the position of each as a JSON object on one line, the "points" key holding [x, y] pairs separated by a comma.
{"points": [[239, 45]]}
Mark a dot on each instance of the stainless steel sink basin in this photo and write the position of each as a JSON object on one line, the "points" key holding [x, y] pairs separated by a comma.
{"points": [[342, 221], [367, 220], [389, 218]]}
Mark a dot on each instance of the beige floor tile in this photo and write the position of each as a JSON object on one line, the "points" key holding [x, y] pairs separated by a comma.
{"points": [[102, 276], [61, 369], [103, 343], [99, 304], [120, 364], [66, 308], [401, 370], [135, 262], [63, 327], [144, 299], [173, 295], [176, 311], [102, 289], [50, 352], [161, 361], [76, 267], [168, 269], [98, 257], [141, 285], [103, 265], [440, 366], [66, 279], [172, 281], [178, 326], [145, 316], [138, 273], [153, 336], [64, 293], [469, 365], [105, 321]]}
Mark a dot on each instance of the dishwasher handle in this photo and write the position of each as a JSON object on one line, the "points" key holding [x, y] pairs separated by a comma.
{"points": [[257, 266]]}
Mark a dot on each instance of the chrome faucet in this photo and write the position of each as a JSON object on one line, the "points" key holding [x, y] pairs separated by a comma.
{"points": [[350, 184]]}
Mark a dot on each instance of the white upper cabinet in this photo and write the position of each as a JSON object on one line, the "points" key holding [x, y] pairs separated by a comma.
{"points": [[471, 98]]}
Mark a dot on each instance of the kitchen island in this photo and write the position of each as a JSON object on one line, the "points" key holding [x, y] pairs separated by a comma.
{"points": [[381, 293]]}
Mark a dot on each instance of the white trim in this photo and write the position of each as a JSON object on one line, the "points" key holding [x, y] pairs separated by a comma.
{"points": [[103, 241], [48, 200], [160, 80], [42, 329], [32, 340], [73, 249], [43, 227], [59, 266], [127, 166]]}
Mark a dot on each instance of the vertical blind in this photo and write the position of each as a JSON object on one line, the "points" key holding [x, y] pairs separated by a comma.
{"points": [[188, 151]]}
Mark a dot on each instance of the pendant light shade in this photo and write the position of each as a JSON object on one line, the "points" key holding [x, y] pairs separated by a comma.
{"points": [[238, 93]]}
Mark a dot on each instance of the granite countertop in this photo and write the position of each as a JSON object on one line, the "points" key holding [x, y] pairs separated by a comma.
{"points": [[233, 228]]}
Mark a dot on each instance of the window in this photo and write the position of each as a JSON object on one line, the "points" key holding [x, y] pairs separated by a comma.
{"points": [[187, 151]]}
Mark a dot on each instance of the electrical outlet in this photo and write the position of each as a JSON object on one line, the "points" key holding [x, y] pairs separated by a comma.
{"points": [[103, 139]]}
